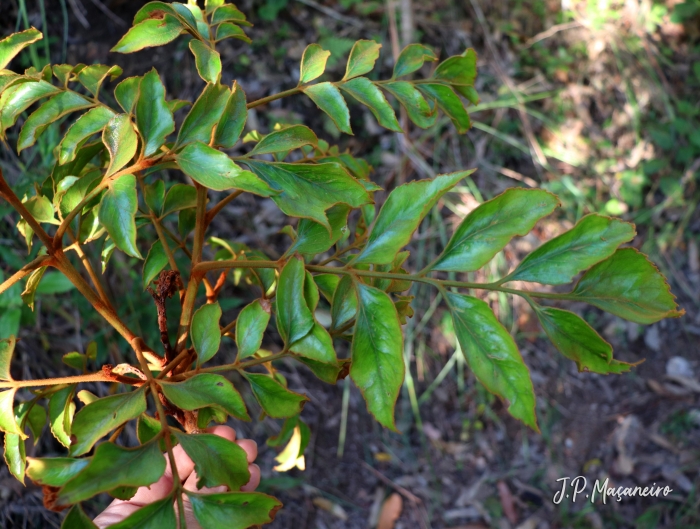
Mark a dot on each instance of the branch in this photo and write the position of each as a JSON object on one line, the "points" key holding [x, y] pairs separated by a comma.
{"points": [[274, 97], [44, 260], [90, 377], [213, 212], [9, 195]]}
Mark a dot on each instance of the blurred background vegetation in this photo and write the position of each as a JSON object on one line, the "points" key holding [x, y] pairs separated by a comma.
{"points": [[596, 101]]}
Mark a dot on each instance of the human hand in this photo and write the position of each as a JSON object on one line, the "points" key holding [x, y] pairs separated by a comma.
{"points": [[118, 510]]}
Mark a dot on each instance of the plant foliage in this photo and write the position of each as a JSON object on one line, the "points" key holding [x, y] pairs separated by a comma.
{"points": [[107, 189]]}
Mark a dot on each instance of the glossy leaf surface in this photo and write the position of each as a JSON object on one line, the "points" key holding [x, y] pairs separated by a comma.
{"points": [[117, 213], [250, 327], [153, 117], [275, 400], [217, 461], [233, 510], [206, 389], [206, 337]]}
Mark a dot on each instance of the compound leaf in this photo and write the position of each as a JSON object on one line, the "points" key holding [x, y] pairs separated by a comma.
{"points": [[377, 353], [276, 400], [493, 356], [102, 416], [628, 285], [233, 510], [250, 327], [206, 389], [328, 98], [313, 63], [557, 261], [117, 213], [401, 214], [205, 333], [217, 461], [488, 228]]}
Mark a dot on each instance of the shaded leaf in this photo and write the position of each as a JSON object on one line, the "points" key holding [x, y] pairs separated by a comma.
{"points": [[150, 32], [250, 327], [75, 360], [206, 389], [117, 213], [157, 515], [328, 98], [7, 349], [31, 286], [99, 418], [294, 319], [113, 466], [316, 345], [557, 261], [412, 58], [369, 95], [493, 356], [92, 77], [276, 400], [377, 353], [180, 196], [489, 227], [312, 237], [344, 305], [628, 285], [287, 139], [77, 519], [61, 411], [401, 214], [227, 30], [155, 261], [449, 103], [215, 170], [233, 510], [327, 283], [207, 61], [153, 117], [308, 190], [363, 55], [577, 340], [217, 461], [204, 115], [154, 196], [233, 119], [127, 92], [313, 63], [206, 337], [412, 100], [54, 471], [458, 70]]}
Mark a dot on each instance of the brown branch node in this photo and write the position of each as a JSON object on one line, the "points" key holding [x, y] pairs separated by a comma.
{"points": [[167, 284]]}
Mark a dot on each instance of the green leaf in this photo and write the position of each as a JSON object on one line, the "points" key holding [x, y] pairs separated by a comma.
{"points": [[54, 282], [215, 170], [328, 98], [217, 461], [233, 510], [412, 58], [204, 390], [404, 209], [147, 428], [7, 348], [229, 12], [16, 42], [186, 221], [316, 345], [366, 92], [15, 454], [61, 411], [233, 119], [155, 261], [207, 61], [154, 196], [577, 340], [311, 295], [488, 228], [19, 98], [156, 515], [8, 424], [313, 63], [205, 333], [121, 141], [54, 471], [77, 519], [113, 466], [493, 356], [312, 237], [308, 190], [32, 284], [54, 109], [117, 213], [127, 92], [92, 122], [180, 196], [557, 261], [204, 115], [153, 117], [363, 55], [377, 353], [327, 283], [92, 77], [41, 209], [628, 285], [344, 305], [276, 400], [458, 70], [75, 360], [449, 103], [250, 327], [99, 418], [150, 32], [284, 140], [416, 106], [294, 319], [231, 31]]}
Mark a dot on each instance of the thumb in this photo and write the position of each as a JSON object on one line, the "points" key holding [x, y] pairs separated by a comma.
{"points": [[191, 486]]}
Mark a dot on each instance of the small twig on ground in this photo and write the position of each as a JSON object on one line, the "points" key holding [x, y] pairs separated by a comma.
{"points": [[551, 31], [332, 13]]}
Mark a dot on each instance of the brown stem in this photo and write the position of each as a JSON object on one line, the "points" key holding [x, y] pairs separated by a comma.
{"points": [[9, 195], [213, 212], [89, 269], [274, 97], [44, 260], [90, 377]]}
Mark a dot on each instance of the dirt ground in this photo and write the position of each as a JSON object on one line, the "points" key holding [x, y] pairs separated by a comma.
{"points": [[462, 462]]}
